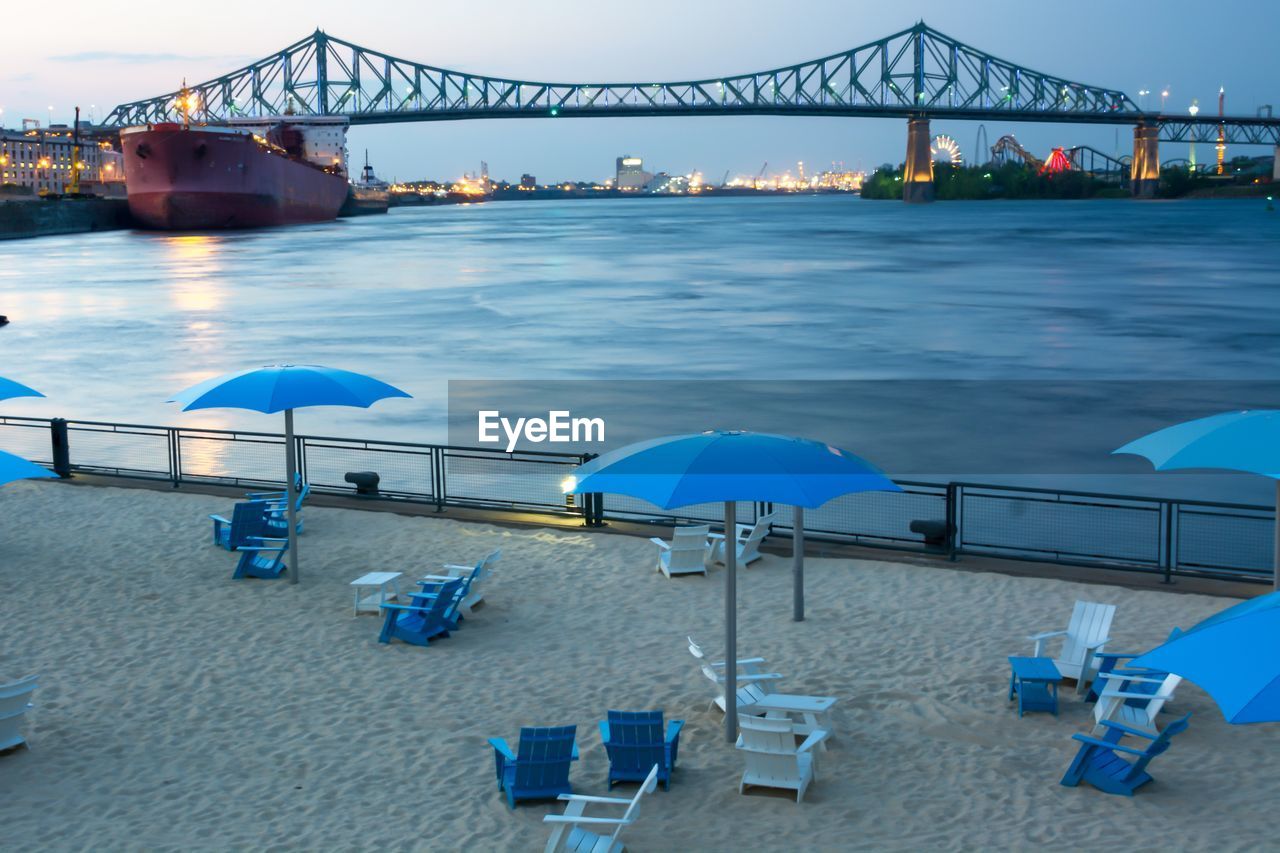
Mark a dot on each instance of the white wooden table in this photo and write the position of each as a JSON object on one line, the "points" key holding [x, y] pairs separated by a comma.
{"points": [[386, 584]]}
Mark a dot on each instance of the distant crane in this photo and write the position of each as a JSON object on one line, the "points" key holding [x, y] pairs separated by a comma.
{"points": [[760, 177], [725, 179]]}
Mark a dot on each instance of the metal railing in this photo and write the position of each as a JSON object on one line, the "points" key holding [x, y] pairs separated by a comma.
{"points": [[1155, 535]]}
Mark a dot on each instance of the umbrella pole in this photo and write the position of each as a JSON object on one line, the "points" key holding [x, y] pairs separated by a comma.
{"points": [[1275, 546], [797, 564], [730, 622], [290, 493]]}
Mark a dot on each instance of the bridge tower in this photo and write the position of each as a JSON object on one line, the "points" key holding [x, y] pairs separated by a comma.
{"points": [[917, 174], [1144, 174]]}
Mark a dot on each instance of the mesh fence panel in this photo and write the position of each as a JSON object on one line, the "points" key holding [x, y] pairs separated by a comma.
{"points": [[528, 481], [404, 471], [1224, 541], [874, 515], [27, 439], [142, 451], [622, 506], [1073, 529], [228, 456]]}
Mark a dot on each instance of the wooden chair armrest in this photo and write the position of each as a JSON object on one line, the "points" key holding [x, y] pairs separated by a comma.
{"points": [[583, 798], [673, 729], [590, 821], [815, 737], [1093, 741], [501, 746], [1129, 730]]}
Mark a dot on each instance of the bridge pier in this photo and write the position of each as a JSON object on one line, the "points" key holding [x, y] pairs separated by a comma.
{"points": [[1144, 174], [1275, 165], [917, 174]]}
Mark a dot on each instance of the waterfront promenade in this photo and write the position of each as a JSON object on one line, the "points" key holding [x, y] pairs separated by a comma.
{"points": [[165, 687]]}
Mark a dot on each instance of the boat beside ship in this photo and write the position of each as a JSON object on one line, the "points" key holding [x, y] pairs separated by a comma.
{"points": [[369, 194], [246, 173]]}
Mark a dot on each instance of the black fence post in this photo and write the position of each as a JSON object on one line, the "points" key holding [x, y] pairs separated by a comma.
{"points": [[1168, 541], [175, 458], [61, 448], [953, 531], [437, 464]]}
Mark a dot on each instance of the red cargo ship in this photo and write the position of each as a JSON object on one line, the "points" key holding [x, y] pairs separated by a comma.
{"points": [[200, 177]]}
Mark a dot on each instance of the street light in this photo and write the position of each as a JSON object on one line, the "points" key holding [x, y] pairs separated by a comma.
{"points": [[1164, 94], [1142, 98], [1194, 109]]}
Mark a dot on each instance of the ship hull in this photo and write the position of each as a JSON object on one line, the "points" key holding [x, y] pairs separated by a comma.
{"points": [[197, 179]]}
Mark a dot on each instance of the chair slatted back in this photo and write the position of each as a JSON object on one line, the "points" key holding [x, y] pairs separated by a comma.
{"points": [[758, 532], [1090, 624], [485, 566], [633, 810], [443, 604], [542, 759], [1159, 745], [636, 740], [772, 744], [248, 519]]}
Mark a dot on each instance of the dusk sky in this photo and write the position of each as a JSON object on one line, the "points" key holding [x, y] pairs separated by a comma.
{"points": [[98, 54]]}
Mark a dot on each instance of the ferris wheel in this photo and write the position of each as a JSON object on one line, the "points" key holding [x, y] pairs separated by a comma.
{"points": [[946, 150]]}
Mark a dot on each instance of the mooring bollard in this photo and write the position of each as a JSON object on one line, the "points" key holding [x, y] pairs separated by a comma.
{"points": [[61, 447]]}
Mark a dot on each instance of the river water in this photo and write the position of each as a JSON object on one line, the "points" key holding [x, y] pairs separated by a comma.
{"points": [[799, 290]]}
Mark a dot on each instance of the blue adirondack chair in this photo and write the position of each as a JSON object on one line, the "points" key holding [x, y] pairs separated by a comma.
{"points": [[248, 519], [279, 521], [1109, 662], [265, 560], [1100, 762], [431, 589], [419, 624], [541, 769], [635, 741]]}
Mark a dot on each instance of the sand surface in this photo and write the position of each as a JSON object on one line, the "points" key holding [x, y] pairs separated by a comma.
{"points": [[179, 710]]}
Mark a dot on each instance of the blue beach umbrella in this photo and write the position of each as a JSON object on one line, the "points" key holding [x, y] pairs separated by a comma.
{"points": [[16, 468], [1230, 655], [283, 388], [1246, 441], [730, 466], [9, 389]]}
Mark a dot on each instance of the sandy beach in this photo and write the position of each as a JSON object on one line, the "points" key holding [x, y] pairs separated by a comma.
{"points": [[180, 710]]}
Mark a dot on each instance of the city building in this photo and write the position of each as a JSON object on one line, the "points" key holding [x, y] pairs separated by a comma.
{"points": [[630, 175], [528, 182], [40, 159]]}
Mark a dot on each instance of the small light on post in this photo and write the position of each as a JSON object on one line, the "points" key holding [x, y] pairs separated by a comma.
{"points": [[567, 485]]}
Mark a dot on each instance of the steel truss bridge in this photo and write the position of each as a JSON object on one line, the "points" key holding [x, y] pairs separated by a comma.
{"points": [[916, 73]]}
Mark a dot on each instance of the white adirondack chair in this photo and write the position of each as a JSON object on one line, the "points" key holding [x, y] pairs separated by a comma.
{"points": [[686, 553], [772, 757], [748, 539], [1112, 704], [568, 834], [15, 699], [749, 666], [1086, 635], [474, 595]]}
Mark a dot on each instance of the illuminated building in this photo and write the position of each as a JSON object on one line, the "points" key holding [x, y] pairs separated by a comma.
{"points": [[528, 182], [41, 159], [630, 175]]}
